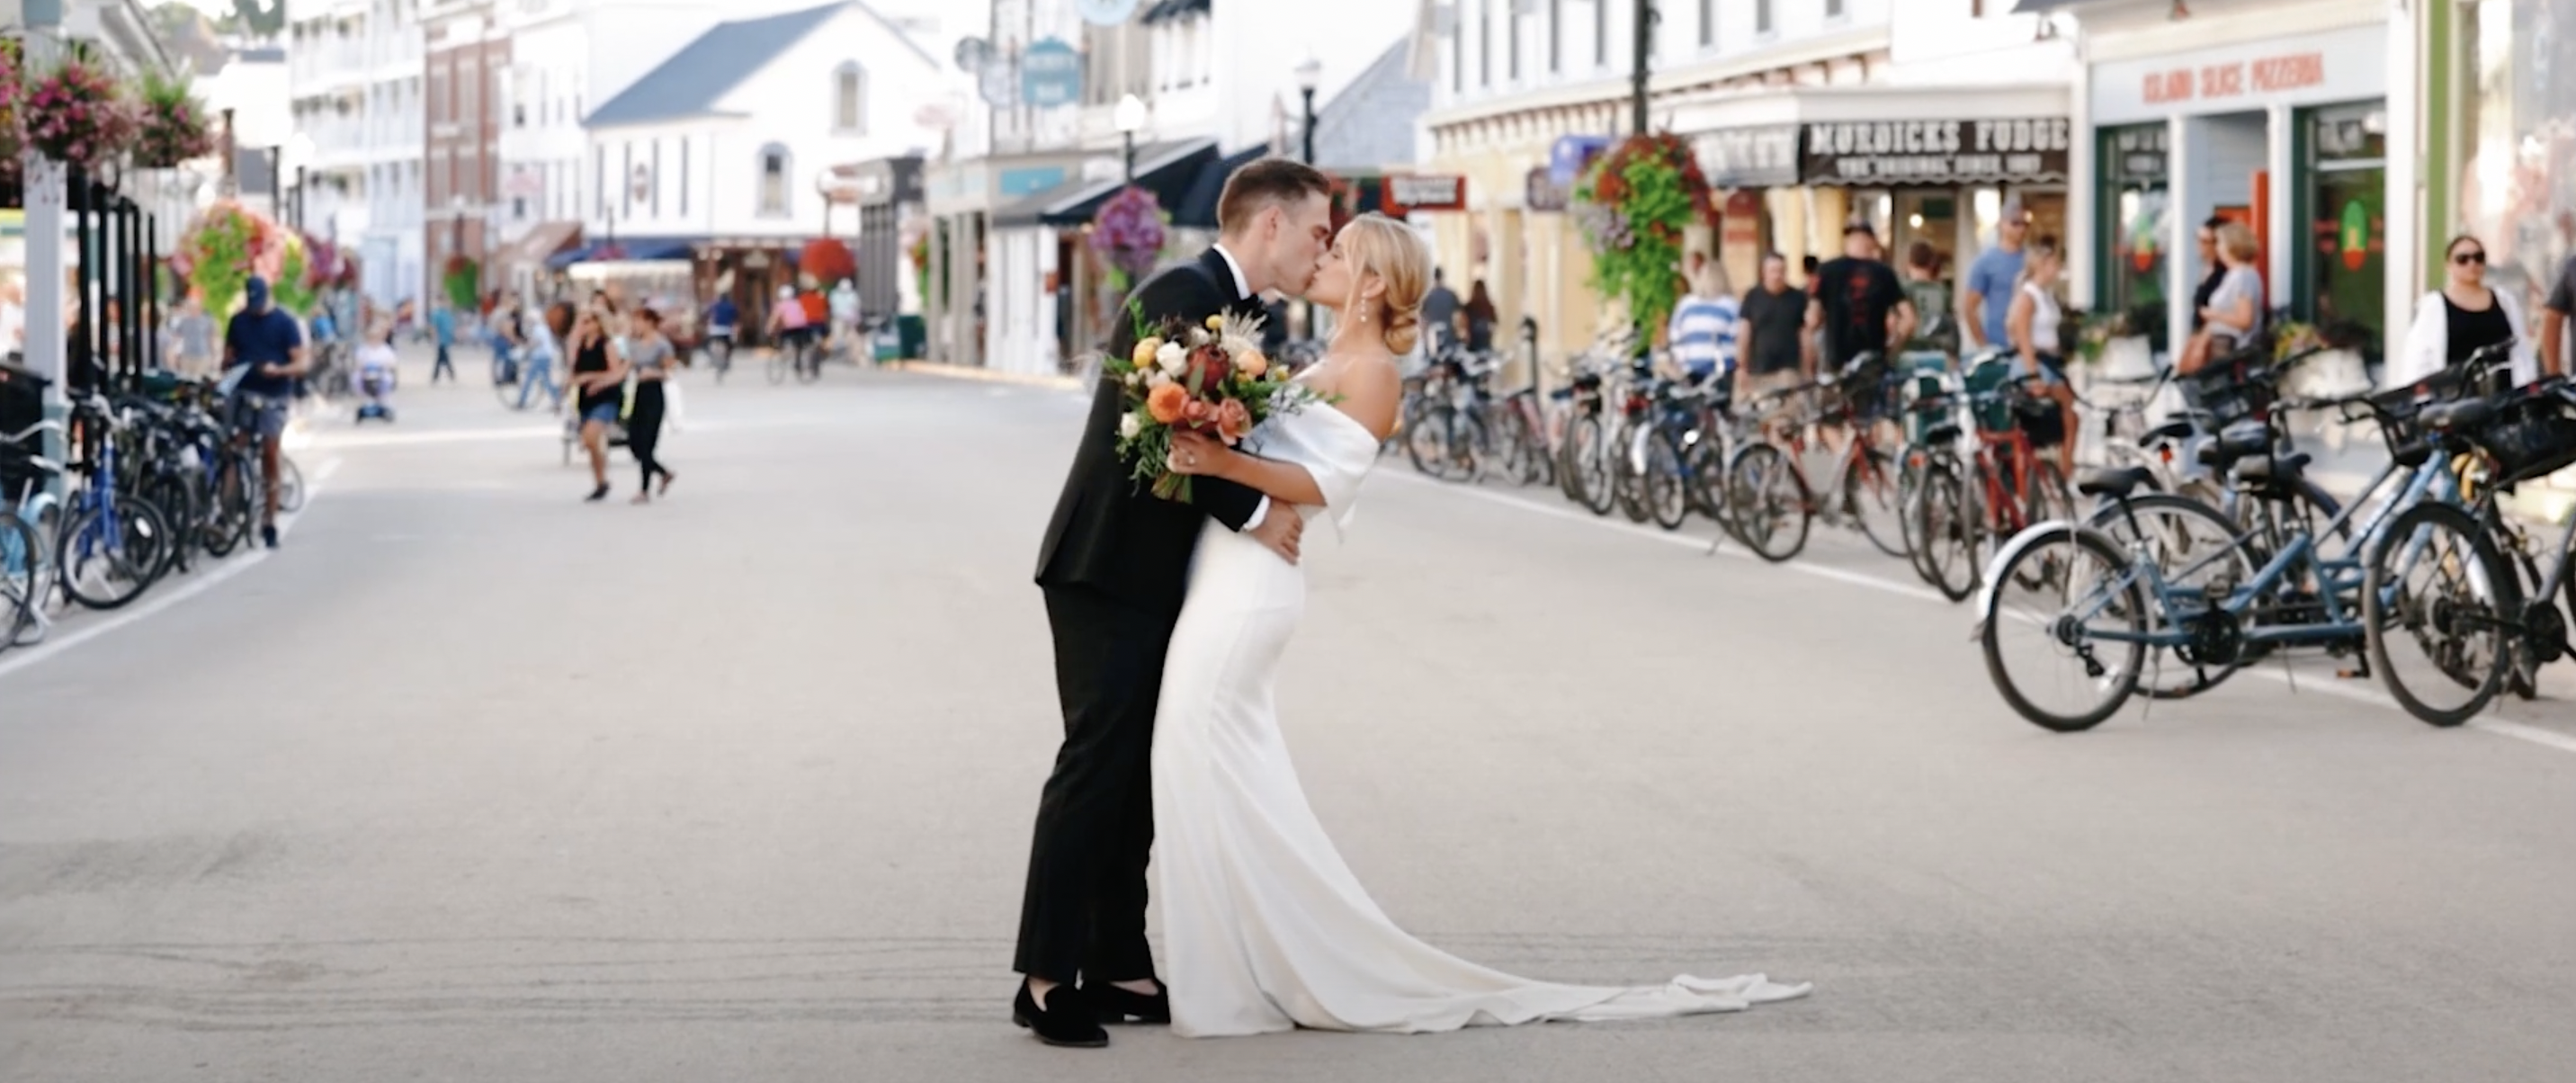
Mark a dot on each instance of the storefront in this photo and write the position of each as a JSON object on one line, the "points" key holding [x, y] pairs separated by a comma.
{"points": [[1516, 172], [2287, 133], [1931, 164]]}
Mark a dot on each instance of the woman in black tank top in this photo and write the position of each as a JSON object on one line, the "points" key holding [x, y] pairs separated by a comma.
{"points": [[599, 381]]}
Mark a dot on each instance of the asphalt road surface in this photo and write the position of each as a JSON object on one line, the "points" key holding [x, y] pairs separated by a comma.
{"points": [[472, 780]]}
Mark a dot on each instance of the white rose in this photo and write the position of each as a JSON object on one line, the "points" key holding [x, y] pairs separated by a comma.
{"points": [[1158, 379], [1128, 427], [1172, 358]]}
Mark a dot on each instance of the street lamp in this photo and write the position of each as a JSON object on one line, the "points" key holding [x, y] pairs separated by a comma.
{"points": [[1130, 119], [297, 155], [1309, 74], [455, 227]]}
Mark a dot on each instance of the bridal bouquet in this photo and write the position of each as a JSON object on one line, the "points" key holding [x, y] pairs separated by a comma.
{"points": [[1207, 377]]}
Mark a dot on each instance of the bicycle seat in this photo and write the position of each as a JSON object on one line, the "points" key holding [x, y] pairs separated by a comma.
{"points": [[1941, 432], [2175, 429], [2238, 441], [2116, 482], [2273, 469], [2468, 414]]}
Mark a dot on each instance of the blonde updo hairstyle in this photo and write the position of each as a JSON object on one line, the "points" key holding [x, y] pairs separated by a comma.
{"points": [[1381, 248]]}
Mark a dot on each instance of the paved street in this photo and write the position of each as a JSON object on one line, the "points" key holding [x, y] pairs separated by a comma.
{"points": [[475, 781]]}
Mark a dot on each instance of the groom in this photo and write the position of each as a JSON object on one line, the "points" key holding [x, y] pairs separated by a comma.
{"points": [[1114, 567]]}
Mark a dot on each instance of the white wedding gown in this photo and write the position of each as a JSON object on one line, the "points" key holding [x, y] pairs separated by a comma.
{"points": [[1264, 927]]}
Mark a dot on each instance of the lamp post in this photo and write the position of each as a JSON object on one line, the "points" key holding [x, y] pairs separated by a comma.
{"points": [[456, 230], [296, 154], [1309, 73], [1130, 118]]}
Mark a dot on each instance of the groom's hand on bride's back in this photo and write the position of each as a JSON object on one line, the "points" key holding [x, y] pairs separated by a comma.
{"points": [[1280, 531]]}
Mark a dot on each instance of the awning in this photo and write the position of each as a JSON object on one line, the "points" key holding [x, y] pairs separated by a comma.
{"points": [[1197, 208], [1168, 170], [541, 241], [626, 249], [1874, 136]]}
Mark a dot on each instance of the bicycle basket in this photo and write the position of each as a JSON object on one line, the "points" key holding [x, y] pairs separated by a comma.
{"points": [[2534, 438], [1985, 382], [2230, 391]]}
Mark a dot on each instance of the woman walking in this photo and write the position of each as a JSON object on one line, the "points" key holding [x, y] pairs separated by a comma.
{"points": [[599, 383], [649, 352], [2034, 322]]}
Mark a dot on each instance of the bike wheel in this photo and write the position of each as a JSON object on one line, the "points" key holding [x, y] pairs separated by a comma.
{"points": [[2195, 549], [1592, 462], [2522, 673], [1950, 548], [290, 497], [22, 579], [2090, 589], [1668, 495], [809, 366], [1708, 480], [1870, 497], [111, 554], [177, 503], [1426, 441], [2459, 615], [1628, 474], [776, 367], [1770, 502], [228, 514], [1515, 454]]}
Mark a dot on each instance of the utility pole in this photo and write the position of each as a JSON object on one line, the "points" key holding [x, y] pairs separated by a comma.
{"points": [[1647, 16]]}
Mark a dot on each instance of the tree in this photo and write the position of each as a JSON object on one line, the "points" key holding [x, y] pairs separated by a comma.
{"points": [[266, 22]]}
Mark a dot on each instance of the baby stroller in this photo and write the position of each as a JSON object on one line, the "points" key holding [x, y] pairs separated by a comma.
{"points": [[373, 383]]}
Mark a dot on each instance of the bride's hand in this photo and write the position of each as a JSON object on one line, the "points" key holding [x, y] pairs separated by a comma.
{"points": [[1196, 454]]}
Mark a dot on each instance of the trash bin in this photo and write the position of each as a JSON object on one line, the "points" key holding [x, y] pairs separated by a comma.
{"points": [[916, 335]]}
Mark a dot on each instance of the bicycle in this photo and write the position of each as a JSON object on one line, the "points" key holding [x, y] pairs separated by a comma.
{"points": [[1767, 486], [1972, 505]]}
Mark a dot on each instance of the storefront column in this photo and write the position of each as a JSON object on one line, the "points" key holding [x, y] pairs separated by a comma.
{"points": [[2083, 197], [1510, 287], [2187, 208], [2289, 236], [2410, 224]]}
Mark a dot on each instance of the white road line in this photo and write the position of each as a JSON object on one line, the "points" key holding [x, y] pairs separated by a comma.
{"points": [[22, 657], [2326, 683]]}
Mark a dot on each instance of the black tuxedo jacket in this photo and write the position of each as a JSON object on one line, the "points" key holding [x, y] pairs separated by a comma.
{"points": [[1110, 533]]}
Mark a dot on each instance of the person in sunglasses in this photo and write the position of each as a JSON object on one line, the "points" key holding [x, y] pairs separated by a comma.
{"points": [[2461, 318]]}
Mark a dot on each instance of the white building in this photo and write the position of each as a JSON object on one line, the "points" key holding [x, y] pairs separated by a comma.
{"points": [[354, 74], [718, 154]]}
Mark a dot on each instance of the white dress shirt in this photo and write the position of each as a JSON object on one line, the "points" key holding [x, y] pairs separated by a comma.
{"points": [[1243, 288]]}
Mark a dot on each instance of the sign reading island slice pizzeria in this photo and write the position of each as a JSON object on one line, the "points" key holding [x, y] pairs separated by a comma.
{"points": [[2018, 150]]}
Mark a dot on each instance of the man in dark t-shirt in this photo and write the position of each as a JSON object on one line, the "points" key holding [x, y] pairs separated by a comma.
{"points": [[1440, 313], [2554, 315], [269, 344], [1770, 334], [1858, 301]]}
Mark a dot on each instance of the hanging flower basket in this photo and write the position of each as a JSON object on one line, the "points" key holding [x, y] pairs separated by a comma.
{"points": [[1128, 232], [173, 126], [224, 246], [13, 94], [826, 260], [1633, 204], [79, 114]]}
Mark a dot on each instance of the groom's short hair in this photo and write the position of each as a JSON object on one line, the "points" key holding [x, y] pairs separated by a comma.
{"points": [[1262, 183]]}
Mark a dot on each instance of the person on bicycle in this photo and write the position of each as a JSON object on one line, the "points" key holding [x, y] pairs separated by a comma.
{"points": [[2033, 322], [269, 345], [787, 324], [722, 319]]}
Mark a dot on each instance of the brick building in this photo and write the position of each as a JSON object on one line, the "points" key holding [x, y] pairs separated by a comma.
{"points": [[466, 57]]}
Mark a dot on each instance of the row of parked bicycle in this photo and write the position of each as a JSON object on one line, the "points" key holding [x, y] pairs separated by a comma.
{"points": [[2203, 546], [157, 483]]}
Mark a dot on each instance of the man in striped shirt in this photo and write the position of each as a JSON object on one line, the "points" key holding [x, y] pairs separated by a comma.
{"points": [[1703, 329]]}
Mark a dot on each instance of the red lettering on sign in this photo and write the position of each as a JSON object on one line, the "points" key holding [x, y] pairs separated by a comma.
{"points": [[2290, 72], [2169, 86], [2222, 81]]}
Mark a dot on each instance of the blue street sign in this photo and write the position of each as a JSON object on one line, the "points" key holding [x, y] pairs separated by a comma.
{"points": [[1050, 74]]}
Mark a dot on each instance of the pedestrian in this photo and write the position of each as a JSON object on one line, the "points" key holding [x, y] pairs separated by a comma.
{"points": [[2461, 318], [1440, 314], [2208, 287], [649, 354], [845, 309], [442, 327], [722, 318], [2033, 324], [196, 338], [2235, 309], [1480, 317], [1771, 338], [2554, 315], [1702, 334], [1992, 280], [787, 325], [1857, 302], [1934, 329], [599, 385], [269, 344]]}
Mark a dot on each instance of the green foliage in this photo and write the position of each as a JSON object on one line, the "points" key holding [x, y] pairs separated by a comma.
{"points": [[264, 21], [464, 284], [1636, 202]]}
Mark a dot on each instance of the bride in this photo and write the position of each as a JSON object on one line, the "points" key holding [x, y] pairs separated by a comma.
{"points": [[1265, 929]]}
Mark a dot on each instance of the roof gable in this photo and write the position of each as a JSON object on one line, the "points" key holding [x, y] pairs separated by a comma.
{"points": [[696, 79]]}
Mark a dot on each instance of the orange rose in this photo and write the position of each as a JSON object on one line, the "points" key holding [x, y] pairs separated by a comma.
{"points": [[1166, 403], [1250, 363], [1233, 420]]}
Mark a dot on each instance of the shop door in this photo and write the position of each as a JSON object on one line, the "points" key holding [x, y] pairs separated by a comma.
{"points": [[1932, 216], [2344, 265]]}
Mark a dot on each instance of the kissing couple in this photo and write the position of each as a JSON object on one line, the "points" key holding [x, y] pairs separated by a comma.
{"points": [[1169, 620]]}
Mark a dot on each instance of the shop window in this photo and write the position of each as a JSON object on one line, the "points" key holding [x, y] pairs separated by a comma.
{"points": [[1762, 22], [2514, 184], [2135, 205], [849, 99], [773, 181], [2342, 270]]}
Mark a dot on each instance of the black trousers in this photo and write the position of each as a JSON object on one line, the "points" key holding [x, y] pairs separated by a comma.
{"points": [[644, 430], [1084, 910], [443, 364]]}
